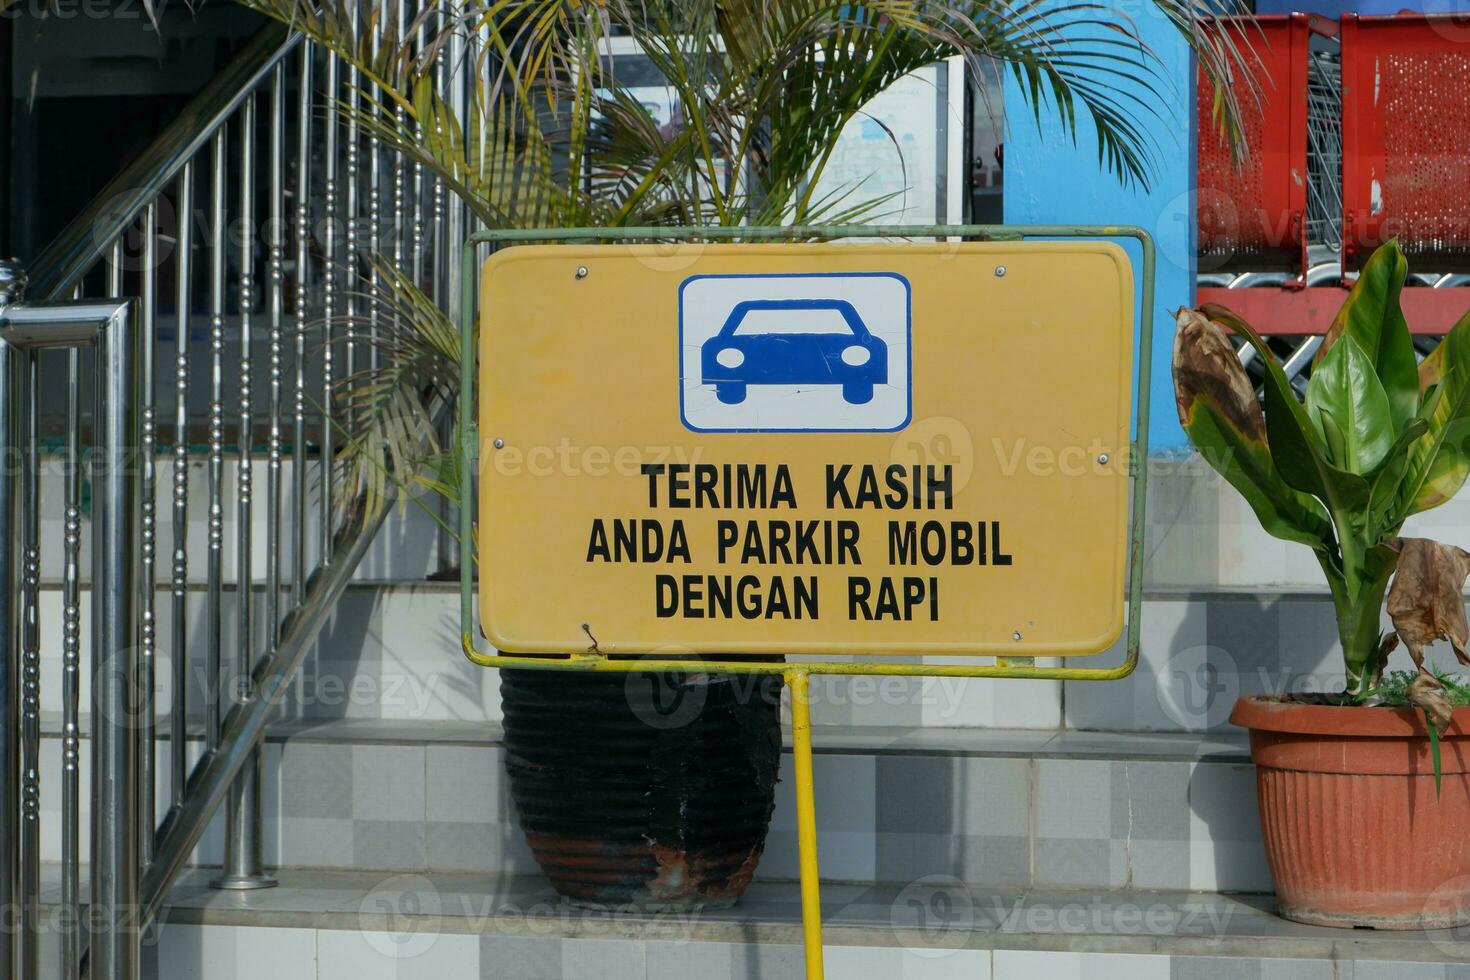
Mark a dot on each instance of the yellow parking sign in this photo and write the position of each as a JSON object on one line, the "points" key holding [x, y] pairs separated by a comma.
{"points": [[820, 449]]}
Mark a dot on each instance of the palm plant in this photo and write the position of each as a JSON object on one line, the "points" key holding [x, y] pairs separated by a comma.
{"points": [[551, 136]]}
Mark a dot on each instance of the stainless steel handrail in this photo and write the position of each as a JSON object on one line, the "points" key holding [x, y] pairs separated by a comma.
{"points": [[111, 329], [85, 241], [282, 302]]}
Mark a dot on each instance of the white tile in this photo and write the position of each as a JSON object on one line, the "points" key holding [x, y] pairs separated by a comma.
{"points": [[897, 963], [1228, 867], [466, 784], [1070, 794], [724, 961], [959, 964], [843, 856], [388, 782], [1158, 696], [845, 788], [862, 962], [1026, 704], [1049, 965], [603, 959], [193, 952], [1222, 802], [422, 673], [362, 955], [1225, 850], [310, 842], [980, 702]]}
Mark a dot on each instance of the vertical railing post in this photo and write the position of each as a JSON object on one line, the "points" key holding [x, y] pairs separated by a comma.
{"points": [[115, 914], [244, 863], [458, 78], [12, 283], [114, 917]]}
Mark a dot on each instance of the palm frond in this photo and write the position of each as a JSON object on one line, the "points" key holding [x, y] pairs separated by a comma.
{"points": [[550, 135]]}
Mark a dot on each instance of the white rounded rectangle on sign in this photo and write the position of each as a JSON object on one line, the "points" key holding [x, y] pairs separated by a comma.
{"points": [[795, 353]]}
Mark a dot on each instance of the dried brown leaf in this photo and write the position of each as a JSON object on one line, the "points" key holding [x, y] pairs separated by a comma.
{"points": [[1428, 693], [1386, 646], [1425, 602], [1206, 364]]}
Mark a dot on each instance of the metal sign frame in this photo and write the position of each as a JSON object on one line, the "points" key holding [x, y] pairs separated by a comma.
{"points": [[797, 675]]}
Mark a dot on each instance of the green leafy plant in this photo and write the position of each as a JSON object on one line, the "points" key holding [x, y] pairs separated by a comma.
{"points": [[1377, 438]]}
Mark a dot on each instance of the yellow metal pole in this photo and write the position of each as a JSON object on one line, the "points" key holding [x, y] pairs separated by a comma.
{"points": [[806, 821]]}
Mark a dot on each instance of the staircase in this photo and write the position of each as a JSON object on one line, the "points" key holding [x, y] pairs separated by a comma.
{"points": [[353, 795]]}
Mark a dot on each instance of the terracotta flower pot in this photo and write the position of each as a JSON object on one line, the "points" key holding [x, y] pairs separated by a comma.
{"points": [[1354, 833]]}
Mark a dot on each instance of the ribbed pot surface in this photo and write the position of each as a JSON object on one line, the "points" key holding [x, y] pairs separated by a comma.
{"points": [[1354, 832], [643, 790]]}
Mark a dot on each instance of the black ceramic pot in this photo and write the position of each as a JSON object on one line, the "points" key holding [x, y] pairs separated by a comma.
{"points": [[642, 790]]}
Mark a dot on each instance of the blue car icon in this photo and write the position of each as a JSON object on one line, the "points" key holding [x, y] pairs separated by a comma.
{"points": [[852, 358]]}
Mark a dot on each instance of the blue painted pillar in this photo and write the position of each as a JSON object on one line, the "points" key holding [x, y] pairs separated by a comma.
{"points": [[1049, 181]]}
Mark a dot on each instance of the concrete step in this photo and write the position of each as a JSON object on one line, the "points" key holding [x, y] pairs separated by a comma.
{"points": [[1011, 808], [366, 926]]}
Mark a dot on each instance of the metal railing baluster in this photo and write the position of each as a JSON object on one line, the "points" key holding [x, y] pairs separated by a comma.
{"points": [[236, 872], [115, 952], [214, 609], [148, 652], [416, 265], [71, 688], [12, 284], [178, 707], [277, 313], [329, 305], [400, 162], [354, 170], [244, 866], [30, 676], [303, 259], [375, 210], [458, 80]]}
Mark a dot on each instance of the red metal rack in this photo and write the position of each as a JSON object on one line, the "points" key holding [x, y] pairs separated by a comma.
{"points": [[1406, 139], [1405, 171], [1252, 213]]}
